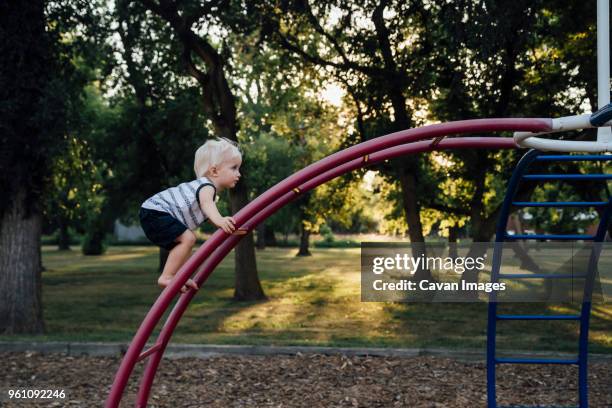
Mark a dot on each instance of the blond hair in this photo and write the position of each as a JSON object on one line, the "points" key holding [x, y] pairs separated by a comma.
{"points": [[212, 153]]}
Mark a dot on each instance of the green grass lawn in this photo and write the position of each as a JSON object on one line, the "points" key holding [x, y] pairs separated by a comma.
{"points": [[312, 301]]}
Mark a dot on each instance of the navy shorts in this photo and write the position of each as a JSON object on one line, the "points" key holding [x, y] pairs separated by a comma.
{"points": [[161, 228]]}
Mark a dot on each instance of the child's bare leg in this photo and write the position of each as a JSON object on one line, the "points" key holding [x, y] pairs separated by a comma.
{"points": [[176, 258]]}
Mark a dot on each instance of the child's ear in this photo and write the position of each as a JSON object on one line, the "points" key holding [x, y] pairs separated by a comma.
{"points": [[212, 170]]}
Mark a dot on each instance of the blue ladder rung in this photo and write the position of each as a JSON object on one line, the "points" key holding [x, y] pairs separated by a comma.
{"points": [[585, 157], [535, 361], [538, 317], [568, 177], [550, 236], [540, 276], [559, 204]]}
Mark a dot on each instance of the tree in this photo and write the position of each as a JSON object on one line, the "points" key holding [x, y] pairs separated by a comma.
{"points": [[286, 125], [75, 194], [208, 69], [497, 59], [271, 159], [378, 51], [302, 127], [259, 75], [34, 87], [159, 116]]}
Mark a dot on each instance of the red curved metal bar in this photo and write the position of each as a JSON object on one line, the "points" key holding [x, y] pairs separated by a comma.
{"points": [[248, 216], [219, 254]]}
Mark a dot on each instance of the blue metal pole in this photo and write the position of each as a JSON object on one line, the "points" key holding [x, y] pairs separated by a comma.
{"points": [[500, 236]]}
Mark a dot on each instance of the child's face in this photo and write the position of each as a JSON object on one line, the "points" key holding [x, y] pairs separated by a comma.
{"points": [[228, 172]]}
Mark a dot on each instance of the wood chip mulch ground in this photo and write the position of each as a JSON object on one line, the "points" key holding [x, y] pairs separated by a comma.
{"points": [[303, 381]]}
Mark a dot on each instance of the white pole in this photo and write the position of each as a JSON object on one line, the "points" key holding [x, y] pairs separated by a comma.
{"points": [[604, 134]]}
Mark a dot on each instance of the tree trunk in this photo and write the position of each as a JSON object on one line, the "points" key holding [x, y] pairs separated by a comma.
{"points": [[304, 242], [248, 286], [479, 231], [412, 210], [270, 237], [395, 85], [93, 241], [63, 239], [261, 236], [265, 236], [20, 272], [452, 242]]}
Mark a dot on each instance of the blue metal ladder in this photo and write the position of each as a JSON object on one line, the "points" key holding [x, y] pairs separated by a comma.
{"points": [[519, 175]]}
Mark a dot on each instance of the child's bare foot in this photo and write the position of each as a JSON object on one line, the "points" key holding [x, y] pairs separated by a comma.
{"points": [[164, 281]]}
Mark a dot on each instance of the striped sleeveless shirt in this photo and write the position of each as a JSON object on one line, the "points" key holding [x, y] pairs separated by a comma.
{"points": [[181, 202]]}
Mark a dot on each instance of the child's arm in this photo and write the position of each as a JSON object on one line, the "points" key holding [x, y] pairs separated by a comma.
{"points": [[207, 204]]}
